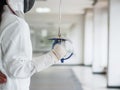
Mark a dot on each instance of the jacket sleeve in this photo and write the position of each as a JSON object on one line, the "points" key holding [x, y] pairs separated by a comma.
{"points": [[18, 61]]}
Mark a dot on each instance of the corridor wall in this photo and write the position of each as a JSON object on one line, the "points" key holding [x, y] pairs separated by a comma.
{"points": [[114, 44], [88, 37], [76, 34], [100, 37]]}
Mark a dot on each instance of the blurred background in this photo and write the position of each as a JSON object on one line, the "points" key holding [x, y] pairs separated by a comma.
{"points": [[93, 26]]}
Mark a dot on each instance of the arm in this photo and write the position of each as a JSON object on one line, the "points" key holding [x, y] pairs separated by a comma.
{"points": [[18, 61]]}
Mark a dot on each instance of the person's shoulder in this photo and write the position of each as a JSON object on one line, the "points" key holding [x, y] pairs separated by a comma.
{"points": [[21, 23], [13, 27], [16, 26], [14, 22]]}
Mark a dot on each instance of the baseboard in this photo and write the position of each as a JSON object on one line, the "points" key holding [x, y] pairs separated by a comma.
{"points": [[99, 72], [87, 65], [72, 65], [68, 65], [116, 87]]}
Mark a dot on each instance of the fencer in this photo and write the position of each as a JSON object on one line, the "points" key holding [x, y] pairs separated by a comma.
{"points": [[16, 62]]}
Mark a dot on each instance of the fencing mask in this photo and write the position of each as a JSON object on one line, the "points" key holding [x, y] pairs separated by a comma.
{"points": [[28, 4], [20, 5]]}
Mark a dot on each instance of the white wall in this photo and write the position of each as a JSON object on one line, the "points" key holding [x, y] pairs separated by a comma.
{"points": [[114, 44], [88, 38], [100, 38], [76, 36]]}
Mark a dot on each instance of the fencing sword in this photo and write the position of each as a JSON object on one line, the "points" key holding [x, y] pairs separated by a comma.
{"points": [[59, 39], [60, 19]]}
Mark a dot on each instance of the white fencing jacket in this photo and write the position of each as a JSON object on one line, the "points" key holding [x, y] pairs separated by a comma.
{"points": [[16, 53]]}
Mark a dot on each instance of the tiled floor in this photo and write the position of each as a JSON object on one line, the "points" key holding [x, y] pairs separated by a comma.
{"points": [[88, 80]]}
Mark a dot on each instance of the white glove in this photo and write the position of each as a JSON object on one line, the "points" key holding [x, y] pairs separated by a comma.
{"points": [[59, 51]]}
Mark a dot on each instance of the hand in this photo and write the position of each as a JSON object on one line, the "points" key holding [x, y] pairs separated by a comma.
{"points": [[3, 78], [59, 51]]}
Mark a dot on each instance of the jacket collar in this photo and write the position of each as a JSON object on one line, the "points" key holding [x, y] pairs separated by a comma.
{"points": [[19, 14]]}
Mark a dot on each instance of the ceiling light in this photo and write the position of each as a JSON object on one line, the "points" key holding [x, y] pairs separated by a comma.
{"points": [[43, 10]]}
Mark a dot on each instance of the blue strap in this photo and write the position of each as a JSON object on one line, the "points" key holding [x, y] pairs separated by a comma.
{"points": [[63, 59]]}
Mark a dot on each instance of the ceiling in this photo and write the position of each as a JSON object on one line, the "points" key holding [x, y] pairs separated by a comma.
{"points": [[68, 6], [72, 10]]}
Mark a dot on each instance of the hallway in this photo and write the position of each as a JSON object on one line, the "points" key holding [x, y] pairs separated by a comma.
{"points": [[87, 80], [93, 27], [79, 38]]}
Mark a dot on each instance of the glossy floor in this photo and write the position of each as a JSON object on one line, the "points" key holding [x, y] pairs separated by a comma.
{"points": [[88, 80], [91, 81]]}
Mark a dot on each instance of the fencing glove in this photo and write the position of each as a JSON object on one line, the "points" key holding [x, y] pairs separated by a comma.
{"points": [[59, 51]]}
